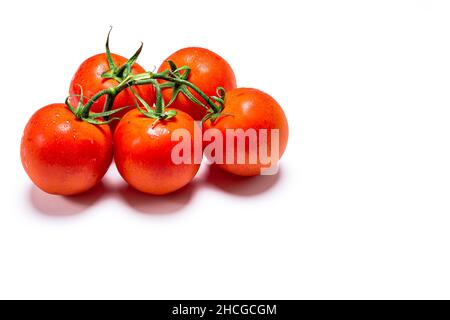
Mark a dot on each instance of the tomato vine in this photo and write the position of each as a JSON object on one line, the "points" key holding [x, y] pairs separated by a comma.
{"points": [[176, 77]]}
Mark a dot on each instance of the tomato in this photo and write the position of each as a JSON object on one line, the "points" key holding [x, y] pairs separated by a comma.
{"points": [[208, 71], [143, 151], [89, 77], [63, 155], [249, 109]]}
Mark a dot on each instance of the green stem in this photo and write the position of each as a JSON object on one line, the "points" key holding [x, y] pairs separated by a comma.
{"points": [[123, 75], [159, 99], [163, 76], [109, 103], [84, 111], [143, 79], [111, 92]]}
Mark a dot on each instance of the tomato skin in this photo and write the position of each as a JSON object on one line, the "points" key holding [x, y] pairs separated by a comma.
{"points": [[208, 71], [63, 155], [143, 153], [89, 77], [251, 109]]}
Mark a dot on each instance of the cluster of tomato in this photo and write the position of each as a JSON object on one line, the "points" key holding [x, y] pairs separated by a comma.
{"points": [[68, 147]]}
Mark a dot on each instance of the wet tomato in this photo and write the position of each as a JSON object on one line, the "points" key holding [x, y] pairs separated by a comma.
{"points": [[143, 152], [254, 117], [62, 154], [208, 71]]}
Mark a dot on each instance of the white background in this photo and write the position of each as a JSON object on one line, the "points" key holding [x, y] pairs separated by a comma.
{"points": [[361, 206]]}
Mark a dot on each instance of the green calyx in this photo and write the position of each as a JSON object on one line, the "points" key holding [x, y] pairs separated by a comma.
{"points": [[179, 82], [119, 73], [158, 113], [179, 87], [219, 100]]}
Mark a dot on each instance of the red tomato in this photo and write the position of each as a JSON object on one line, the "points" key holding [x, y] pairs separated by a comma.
{"points": [[142, 152], [208, 71], [249, 109], [63, 155], [89, 77]]}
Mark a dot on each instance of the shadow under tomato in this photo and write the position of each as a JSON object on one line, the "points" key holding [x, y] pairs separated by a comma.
{"points": [[63, 206], [157, 205], [241, 186]]}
